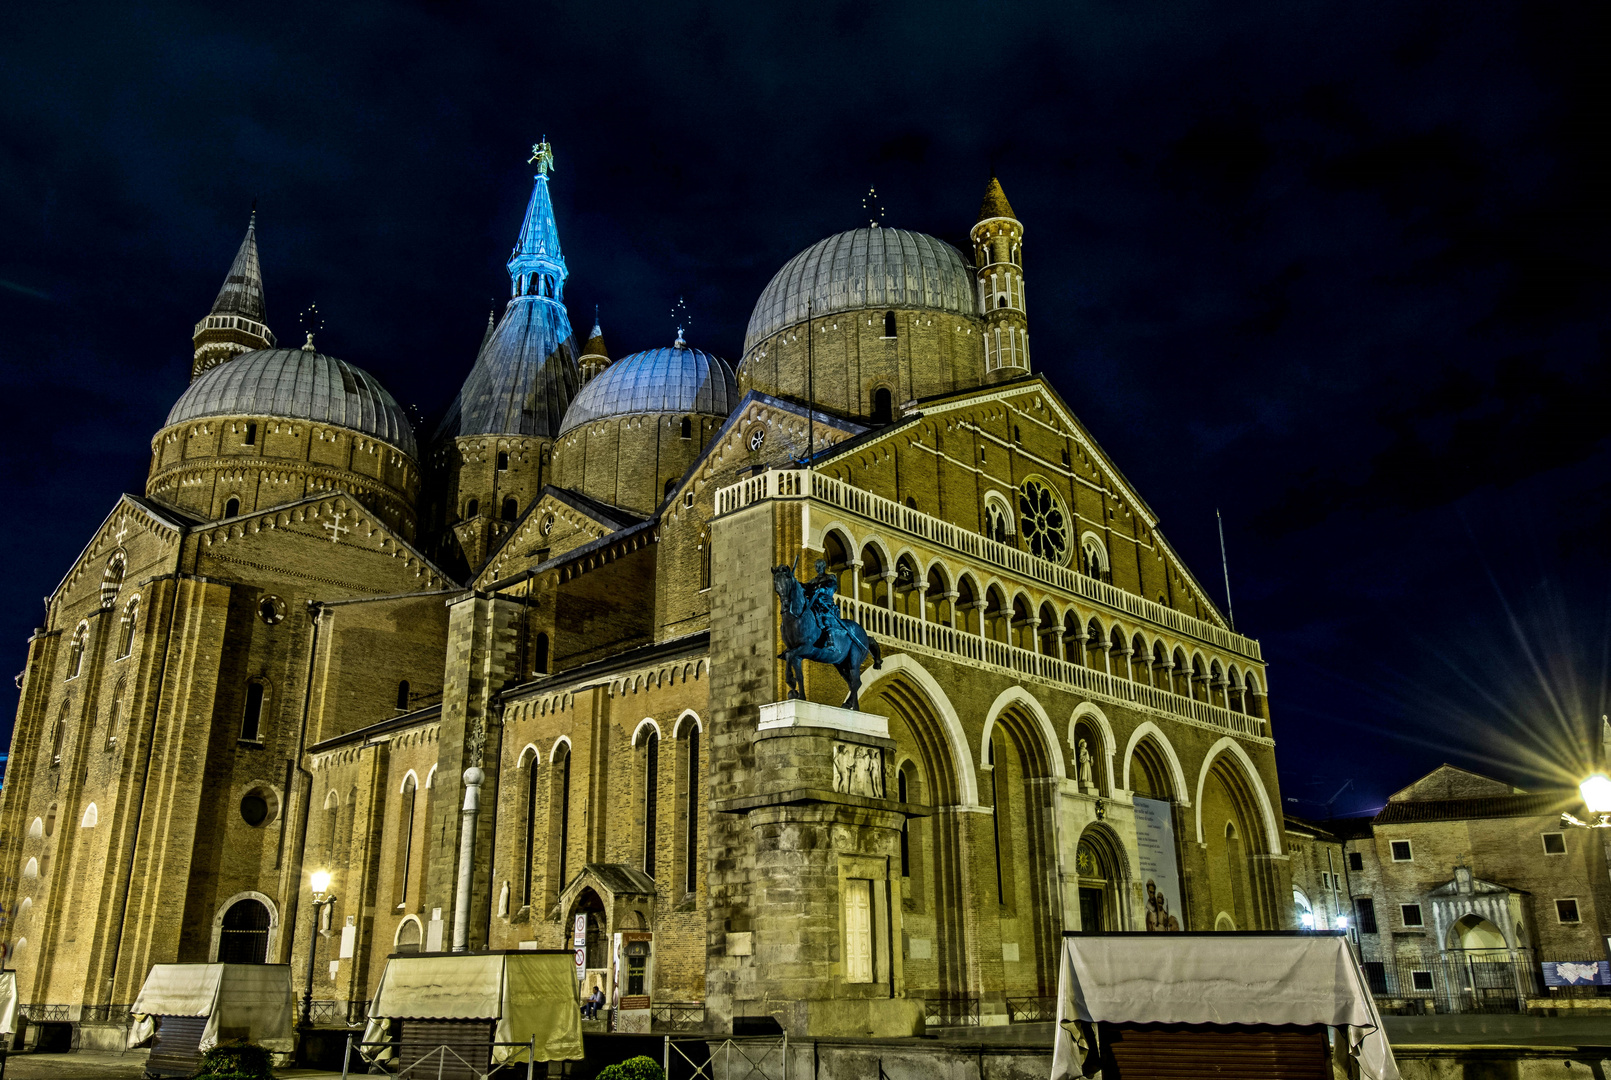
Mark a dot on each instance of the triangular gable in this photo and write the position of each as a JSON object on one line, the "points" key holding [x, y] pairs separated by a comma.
{"points": [[130, 514], [1452, 782], [826, 430], [582, 515], [1038, 387], [336, 517]]}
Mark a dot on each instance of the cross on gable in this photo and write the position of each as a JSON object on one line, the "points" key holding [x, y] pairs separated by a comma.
{"points": [[122, 530], [336, 527]]}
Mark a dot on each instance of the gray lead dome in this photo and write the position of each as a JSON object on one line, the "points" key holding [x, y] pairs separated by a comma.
{"points": [[864, 268], [669, 380], [297, 385]]}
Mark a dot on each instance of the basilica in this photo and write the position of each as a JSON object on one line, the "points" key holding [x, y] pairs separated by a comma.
{"points": [[517, 681]]}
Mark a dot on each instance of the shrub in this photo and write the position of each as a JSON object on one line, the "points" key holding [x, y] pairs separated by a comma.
{"points": [[236, 1061], [638, 1068]]}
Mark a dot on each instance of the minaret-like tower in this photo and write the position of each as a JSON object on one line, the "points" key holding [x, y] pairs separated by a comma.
{"points": [[236, 324], [998, 243], [595, 357]]}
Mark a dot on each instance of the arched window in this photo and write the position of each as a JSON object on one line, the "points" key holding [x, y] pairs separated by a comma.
{"points": [[408, 936], [232, 507], [125, 630], [883, 406], [332, 828], [1094, 558], [511, 509], [402, 695], [75, 650], [1001, 301], [472, 508], [692, 811], [560, 779], [503, 460], [704, 563], [539, 655], [252, 715], [889, 324], [651, 799], [405, 840], [59, 739], [243, 939], [251, 434], [906, 850], [998, 812], [112, 577], [50, 820], [687, 428], [529, 875]]}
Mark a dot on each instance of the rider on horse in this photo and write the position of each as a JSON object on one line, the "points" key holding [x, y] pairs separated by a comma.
{"points": [[820, 592]]}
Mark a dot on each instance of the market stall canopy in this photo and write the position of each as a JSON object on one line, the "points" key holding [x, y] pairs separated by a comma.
{"points": [[1218, 979], [8, 1002], [531, 995], [240, 1001]]}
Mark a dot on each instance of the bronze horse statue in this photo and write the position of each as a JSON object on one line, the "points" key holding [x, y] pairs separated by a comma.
{"points": [[807, 635]]}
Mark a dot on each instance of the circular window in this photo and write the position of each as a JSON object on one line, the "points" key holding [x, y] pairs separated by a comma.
{"points": [[271, 610], [258, 806], [1044, 522], [757, 438]]}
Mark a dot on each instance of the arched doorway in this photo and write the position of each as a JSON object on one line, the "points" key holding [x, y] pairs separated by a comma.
{"points": [[1097, 864], [243, 938], [596, 931], [1473, 932]]}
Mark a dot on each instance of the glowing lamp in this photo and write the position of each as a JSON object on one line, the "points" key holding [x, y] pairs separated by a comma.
{"points": [[1342, 922], [1597, 793], [320, 882]]}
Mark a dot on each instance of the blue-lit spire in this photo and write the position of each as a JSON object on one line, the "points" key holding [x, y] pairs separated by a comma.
{"points": [[536, 267]]}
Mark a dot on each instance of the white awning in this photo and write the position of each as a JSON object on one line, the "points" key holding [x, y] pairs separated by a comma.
{"points": [[249, 1001], [463, 987], [1217, 979], [8, 1002]]}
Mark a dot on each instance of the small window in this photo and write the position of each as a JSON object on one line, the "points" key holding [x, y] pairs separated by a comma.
{"points": [[252, 717], [1365, 908], [1001, 301], [883, 406], [889, 324], [1401, 851], [1566, 911], [511, 509], [1410, 914], [1421, 980], [1017, 436], [232, 508], [1325, 880], [402, 695], [539, 655], [1356, 861], [687, 428], [251, 434], [503, 460], [254, 808], [688, 498], [1554, 843], [472, 508]]}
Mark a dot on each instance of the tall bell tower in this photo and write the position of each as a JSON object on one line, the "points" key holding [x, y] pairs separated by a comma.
{"points": [[236, 323], [998, 252]]}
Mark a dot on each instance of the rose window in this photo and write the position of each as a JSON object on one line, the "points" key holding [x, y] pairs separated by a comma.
{"points": [[1044, 522]]}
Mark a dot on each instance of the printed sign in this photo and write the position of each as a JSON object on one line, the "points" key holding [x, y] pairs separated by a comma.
{"points": [[579, 938], [1576, 973], [1160, 873], [581, 964]]}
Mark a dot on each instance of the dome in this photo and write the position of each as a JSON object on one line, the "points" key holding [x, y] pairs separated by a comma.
{"points": [[864, 268], [524, 377], [668, 380], [297, 384]]}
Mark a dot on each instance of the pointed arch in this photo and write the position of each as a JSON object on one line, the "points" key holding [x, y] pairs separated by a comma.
{"points": [[529, 756], [1148, 729], [680, 728], [1097, 719], [647, 722], [1017, 695], [1255, 783], [904, 664]]}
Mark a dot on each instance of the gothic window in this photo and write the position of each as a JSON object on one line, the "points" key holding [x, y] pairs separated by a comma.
{"points": [[405, 840], [125, 630], [883, 407], [75, 650], [252, 715], [402, 695], [232, 507], [1001, 301], [112, 578], [529, 873], [651, 798], [889, 324], [561, 799], [60, 736], [1094, 558], [691, 812], [1044, 521], [332, 822]]}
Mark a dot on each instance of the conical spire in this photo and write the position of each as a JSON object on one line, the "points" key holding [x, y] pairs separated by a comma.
{"points": [[492, 324], [595, 356], [242, 293], [537, 267], [995, 203], [236, 322]]}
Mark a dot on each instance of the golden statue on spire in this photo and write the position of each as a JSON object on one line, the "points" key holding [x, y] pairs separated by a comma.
{"points": [[543, 156]]}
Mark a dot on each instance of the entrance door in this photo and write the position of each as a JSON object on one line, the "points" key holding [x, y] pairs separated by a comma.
{"points": [[1091, 913]]}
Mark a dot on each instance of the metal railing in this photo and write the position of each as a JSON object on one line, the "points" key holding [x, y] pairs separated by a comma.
{"points": [[1466, 981], [760, 1058], [677, 1015], [800, 483], [1031, 1010], [956, 1010], [445, 1058], [350, 1013], [47, 1014], [946, 640], [102, 1014]]}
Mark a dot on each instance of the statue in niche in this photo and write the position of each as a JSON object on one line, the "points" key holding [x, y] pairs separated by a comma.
{"points": [[1087, 772], [858, 770], [813, 630]]}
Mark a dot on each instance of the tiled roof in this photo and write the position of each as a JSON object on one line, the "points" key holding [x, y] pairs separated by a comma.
{"points": [[1545, 804], [995, 202]]}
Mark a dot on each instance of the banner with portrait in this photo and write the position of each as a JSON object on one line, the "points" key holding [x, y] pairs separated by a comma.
{"points": [[1160, 869]]}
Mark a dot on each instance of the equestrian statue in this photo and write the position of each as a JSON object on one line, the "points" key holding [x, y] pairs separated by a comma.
{"points": [[813, 630]]}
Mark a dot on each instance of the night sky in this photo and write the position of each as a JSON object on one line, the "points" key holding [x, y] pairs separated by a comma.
{"points": [[1336, 269]]}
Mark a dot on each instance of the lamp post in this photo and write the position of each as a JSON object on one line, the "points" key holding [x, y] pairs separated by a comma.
{"points": [[1596, 791], [320, 882]]}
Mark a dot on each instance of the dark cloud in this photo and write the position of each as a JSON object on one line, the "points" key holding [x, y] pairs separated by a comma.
{"points": [[1336, 270]]}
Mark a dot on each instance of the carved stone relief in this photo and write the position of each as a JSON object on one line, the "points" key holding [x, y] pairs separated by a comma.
{"points": [[858, 770]]}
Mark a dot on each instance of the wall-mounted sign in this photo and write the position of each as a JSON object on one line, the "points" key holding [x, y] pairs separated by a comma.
{"points": [[1160, 873]]}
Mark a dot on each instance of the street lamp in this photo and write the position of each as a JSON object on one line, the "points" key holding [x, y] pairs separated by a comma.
{"points": [[321, 883], [1596, 791]]}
